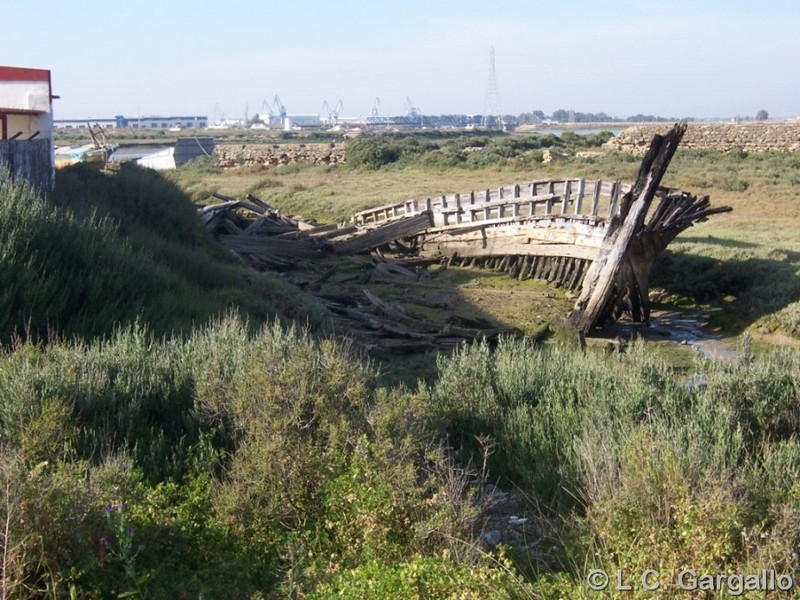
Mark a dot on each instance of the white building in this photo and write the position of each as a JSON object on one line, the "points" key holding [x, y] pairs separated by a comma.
{"points": [[84, 123], [188, 122], [26, 123]]}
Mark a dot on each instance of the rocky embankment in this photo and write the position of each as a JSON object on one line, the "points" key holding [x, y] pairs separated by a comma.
{"points": [[755, 136], [242, 155]]}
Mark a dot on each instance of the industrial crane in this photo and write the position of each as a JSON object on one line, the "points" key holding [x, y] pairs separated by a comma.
{"points": [[333, 113], [279, 108], [276, 111], [266, 109], [411, 110]]}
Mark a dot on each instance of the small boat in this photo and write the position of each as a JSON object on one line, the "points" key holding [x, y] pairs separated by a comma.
{"points": [[184, 150], [95, 154], [88, 153]]}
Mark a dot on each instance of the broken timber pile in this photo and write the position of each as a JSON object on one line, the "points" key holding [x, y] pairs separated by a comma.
{"points": [[265, 238], [395, 329], [570, 232]]}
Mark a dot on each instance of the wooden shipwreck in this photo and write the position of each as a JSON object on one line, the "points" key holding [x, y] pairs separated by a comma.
{"points": [[599, 237]]}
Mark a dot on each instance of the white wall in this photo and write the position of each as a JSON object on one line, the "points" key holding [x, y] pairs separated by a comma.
{"points": [[27, 95]]}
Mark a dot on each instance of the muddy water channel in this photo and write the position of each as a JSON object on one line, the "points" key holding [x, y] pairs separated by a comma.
{"points": [[683, 329], [691, 330]]}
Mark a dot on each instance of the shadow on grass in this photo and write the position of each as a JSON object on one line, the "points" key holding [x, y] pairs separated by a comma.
{"points": [[710, 239], [744, 290]]}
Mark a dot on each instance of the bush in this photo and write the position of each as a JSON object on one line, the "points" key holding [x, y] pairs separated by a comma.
{"points": [[422, 578], [643, 467], [61, 272], [371, 153]]}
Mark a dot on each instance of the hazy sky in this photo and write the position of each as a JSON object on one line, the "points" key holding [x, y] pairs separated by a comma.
{"points": [[700, 58]]}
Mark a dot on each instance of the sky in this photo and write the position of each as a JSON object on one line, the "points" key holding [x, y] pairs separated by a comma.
{"points": [[701, 58]]}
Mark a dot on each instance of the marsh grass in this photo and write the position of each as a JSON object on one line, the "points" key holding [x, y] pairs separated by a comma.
{"points": [[661, 474], [103, 250], [269, 454]]}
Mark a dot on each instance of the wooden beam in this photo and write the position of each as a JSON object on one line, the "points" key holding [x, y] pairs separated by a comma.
{"points": [[599, 283]]}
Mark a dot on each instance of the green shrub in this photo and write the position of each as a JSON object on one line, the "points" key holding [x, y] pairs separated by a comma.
{"points": [[425, 577], [65, 271], [371, 153], [734, 184], [645, 471]]}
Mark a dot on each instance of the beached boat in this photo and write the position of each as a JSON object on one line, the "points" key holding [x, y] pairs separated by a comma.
{"points": [[185, 150], [88, 153], [95, 154]]}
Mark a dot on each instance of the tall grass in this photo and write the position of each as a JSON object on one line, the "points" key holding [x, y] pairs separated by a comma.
{"points": [[105, 250], [136, 463], [662, 474]]}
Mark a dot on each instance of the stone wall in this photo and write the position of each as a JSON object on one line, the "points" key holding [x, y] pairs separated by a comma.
{"points": [[237, 155], [753, 136]]}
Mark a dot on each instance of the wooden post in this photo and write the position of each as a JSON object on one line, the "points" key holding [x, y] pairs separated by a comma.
{"points": [[525, 265], [565, 199], [579, 199], [598, 186], [612, 207], [458, 208]]}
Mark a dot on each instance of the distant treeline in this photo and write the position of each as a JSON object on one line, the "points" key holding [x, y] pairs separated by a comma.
{"points": [[569, 116]]}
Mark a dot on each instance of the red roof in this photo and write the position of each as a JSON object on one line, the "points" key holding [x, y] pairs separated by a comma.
{"points": [[23, 74]]}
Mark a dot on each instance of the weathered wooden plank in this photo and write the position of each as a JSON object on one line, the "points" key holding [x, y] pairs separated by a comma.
{"points": [[258, 201], [271, 246], [565, 200], [404, 227], [579, 199], [615, 191], [219, 206], [541, 262], [598, 186], [501, 249]]}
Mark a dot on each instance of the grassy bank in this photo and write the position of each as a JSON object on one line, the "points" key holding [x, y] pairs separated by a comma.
{"points": [[134, 465], [102, 251]]}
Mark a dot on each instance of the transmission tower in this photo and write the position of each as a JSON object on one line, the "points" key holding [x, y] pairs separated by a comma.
{"points": [[492, 110]]}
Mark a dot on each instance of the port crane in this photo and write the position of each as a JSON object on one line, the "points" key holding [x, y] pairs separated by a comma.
{"points": [[276, 111], [333, 113]]}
